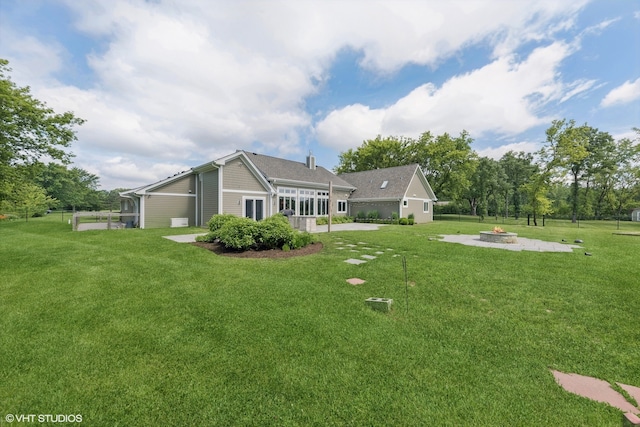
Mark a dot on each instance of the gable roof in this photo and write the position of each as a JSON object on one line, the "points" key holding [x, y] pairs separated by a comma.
{"points": [[288, 172], [370, 184]]}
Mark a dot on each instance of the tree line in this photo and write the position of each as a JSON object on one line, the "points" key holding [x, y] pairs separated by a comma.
{"points": [[580, 172], [36, 173]]}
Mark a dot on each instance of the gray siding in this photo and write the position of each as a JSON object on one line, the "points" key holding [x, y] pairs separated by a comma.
{"points": [[209, 191], [230, 203], [237, 176], [385, 209], [181, 186], [160, 209]]}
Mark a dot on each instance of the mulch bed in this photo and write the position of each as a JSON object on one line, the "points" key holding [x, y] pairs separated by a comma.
{"points": [[219, 249]]}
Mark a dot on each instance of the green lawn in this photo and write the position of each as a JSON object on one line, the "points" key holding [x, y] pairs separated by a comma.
{"points": [[127, 328]]}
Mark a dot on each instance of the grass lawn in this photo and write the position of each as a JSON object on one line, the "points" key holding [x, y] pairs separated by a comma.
{"points": [[127, 328]]}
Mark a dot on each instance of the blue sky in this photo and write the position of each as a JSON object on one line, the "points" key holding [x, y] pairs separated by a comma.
{"points": [[168, 85]]}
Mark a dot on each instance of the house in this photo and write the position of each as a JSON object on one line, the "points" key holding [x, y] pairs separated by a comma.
{"points": [[402, 190], [635, 215], [257, 186]]}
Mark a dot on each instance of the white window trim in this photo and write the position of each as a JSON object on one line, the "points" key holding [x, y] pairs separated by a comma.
{"points": [[244, 205], [338, 206]]}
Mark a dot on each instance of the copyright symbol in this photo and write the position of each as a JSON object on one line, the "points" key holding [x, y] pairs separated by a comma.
{"points": [[9, 418]]}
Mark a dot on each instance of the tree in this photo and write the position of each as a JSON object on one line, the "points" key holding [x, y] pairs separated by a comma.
{"points": [[29, 130], [536, 189], [378, 153], [74, 188], [584, 153], [518, 168], [447, 162], [28, 198]]}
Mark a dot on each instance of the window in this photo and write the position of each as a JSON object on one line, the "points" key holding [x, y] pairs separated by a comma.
{"points": [[306, 202], [323, 203], [425, 206], [405, 203], [254, 209], [342, 206], [287, 199]]}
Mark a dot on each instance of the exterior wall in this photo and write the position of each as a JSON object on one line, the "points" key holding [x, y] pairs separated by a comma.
{"points": [[385, 209], [237, 176], [209, 188], [416, 207], [416, 196], [186, 185], [339, 195], [159, 209]]}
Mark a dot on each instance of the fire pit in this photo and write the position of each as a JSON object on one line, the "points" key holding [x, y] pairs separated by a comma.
{"points": [[498, 235]]}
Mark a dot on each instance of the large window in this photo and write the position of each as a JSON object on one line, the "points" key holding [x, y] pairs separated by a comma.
{"points": [[306, 201], [342, 206], [425, 206], [323, 203], [287, 199]]}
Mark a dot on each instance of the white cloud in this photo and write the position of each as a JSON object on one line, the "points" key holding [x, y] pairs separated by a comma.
{"points": [[497, 152], [180, 81], [502, 97], [627, 92]]}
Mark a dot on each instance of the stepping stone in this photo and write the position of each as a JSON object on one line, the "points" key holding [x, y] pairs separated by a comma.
{"points": [[354, 250], [355, 261], [632, 390], [362, 243], [389, 249], [340, 248], [355, 281], [351, 245], [366, 249], [594, 389], [368, 256], [379, 253]]}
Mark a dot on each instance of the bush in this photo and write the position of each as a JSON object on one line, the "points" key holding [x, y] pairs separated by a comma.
{"points": [[361, 215], [238, 233], [373, 215], [336, 219], [302, 239], [274, 232], [404, 221], [209, 238], [217, 221]]}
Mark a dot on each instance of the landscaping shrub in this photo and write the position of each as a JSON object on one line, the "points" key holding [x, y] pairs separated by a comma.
{"points": [[361, 215], [238, 233], [338, 219], [373, 214], [274, 232], [411, 217], [404, 221], [302, 239], [217, 221]]}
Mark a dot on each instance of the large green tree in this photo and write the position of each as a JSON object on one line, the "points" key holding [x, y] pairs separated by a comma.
{"points": [[583, 153], [29, 132], [378, 153], [448, 163], [73, 188]]}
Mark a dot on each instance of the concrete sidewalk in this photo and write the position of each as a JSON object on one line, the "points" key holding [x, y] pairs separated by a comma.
{"points": [[523, 244]]}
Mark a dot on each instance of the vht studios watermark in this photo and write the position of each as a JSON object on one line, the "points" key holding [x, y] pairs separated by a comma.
{"points": [[43, 418]]}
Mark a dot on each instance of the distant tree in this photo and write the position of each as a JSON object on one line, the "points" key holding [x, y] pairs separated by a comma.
{"points": [[582, 152], [28, 199], [29, 131], [518, 168], [74, 188], [536, 189]]}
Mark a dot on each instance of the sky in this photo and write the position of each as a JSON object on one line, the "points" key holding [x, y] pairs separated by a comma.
{"points": [[166, 85]]}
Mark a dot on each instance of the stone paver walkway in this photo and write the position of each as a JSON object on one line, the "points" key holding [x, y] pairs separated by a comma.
{"points": [[524, 244]]}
